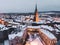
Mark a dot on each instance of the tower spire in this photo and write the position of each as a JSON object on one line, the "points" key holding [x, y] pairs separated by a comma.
{"points": [[36, 8], [36, 19]]}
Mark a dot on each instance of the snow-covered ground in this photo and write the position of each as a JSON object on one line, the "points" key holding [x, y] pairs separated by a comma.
{"points": [[6, 42]]}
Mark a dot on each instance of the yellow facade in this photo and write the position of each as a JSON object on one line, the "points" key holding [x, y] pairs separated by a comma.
{"points": [[37, 17]]}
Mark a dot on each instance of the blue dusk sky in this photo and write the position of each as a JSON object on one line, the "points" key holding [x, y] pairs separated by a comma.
{"points": [[28, 5]]}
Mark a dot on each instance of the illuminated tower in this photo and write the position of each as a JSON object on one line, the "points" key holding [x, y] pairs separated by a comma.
{"points": [[36, 17]]}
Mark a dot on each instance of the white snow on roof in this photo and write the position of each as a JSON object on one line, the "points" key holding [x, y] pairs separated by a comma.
{"points": [[57, 21], [18, 20], [47, 27], [33, 26], [40, 22], [13, 23], [2, 27], [47, 33], [23, 27], [58, 26], [57, 30], [12, 36]]}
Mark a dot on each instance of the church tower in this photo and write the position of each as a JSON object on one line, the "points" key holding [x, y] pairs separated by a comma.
{"points": [[36, 17]]}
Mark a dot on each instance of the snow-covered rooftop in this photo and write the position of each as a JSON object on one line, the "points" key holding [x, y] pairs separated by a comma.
{"points": [[47, 27], [49, 34], [33, 26], [12, 36], [2, 27], [40, 22], [58, 26], [14, 23]]}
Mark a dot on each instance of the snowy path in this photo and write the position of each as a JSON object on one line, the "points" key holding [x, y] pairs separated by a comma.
{"points": [[6, 42]]}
